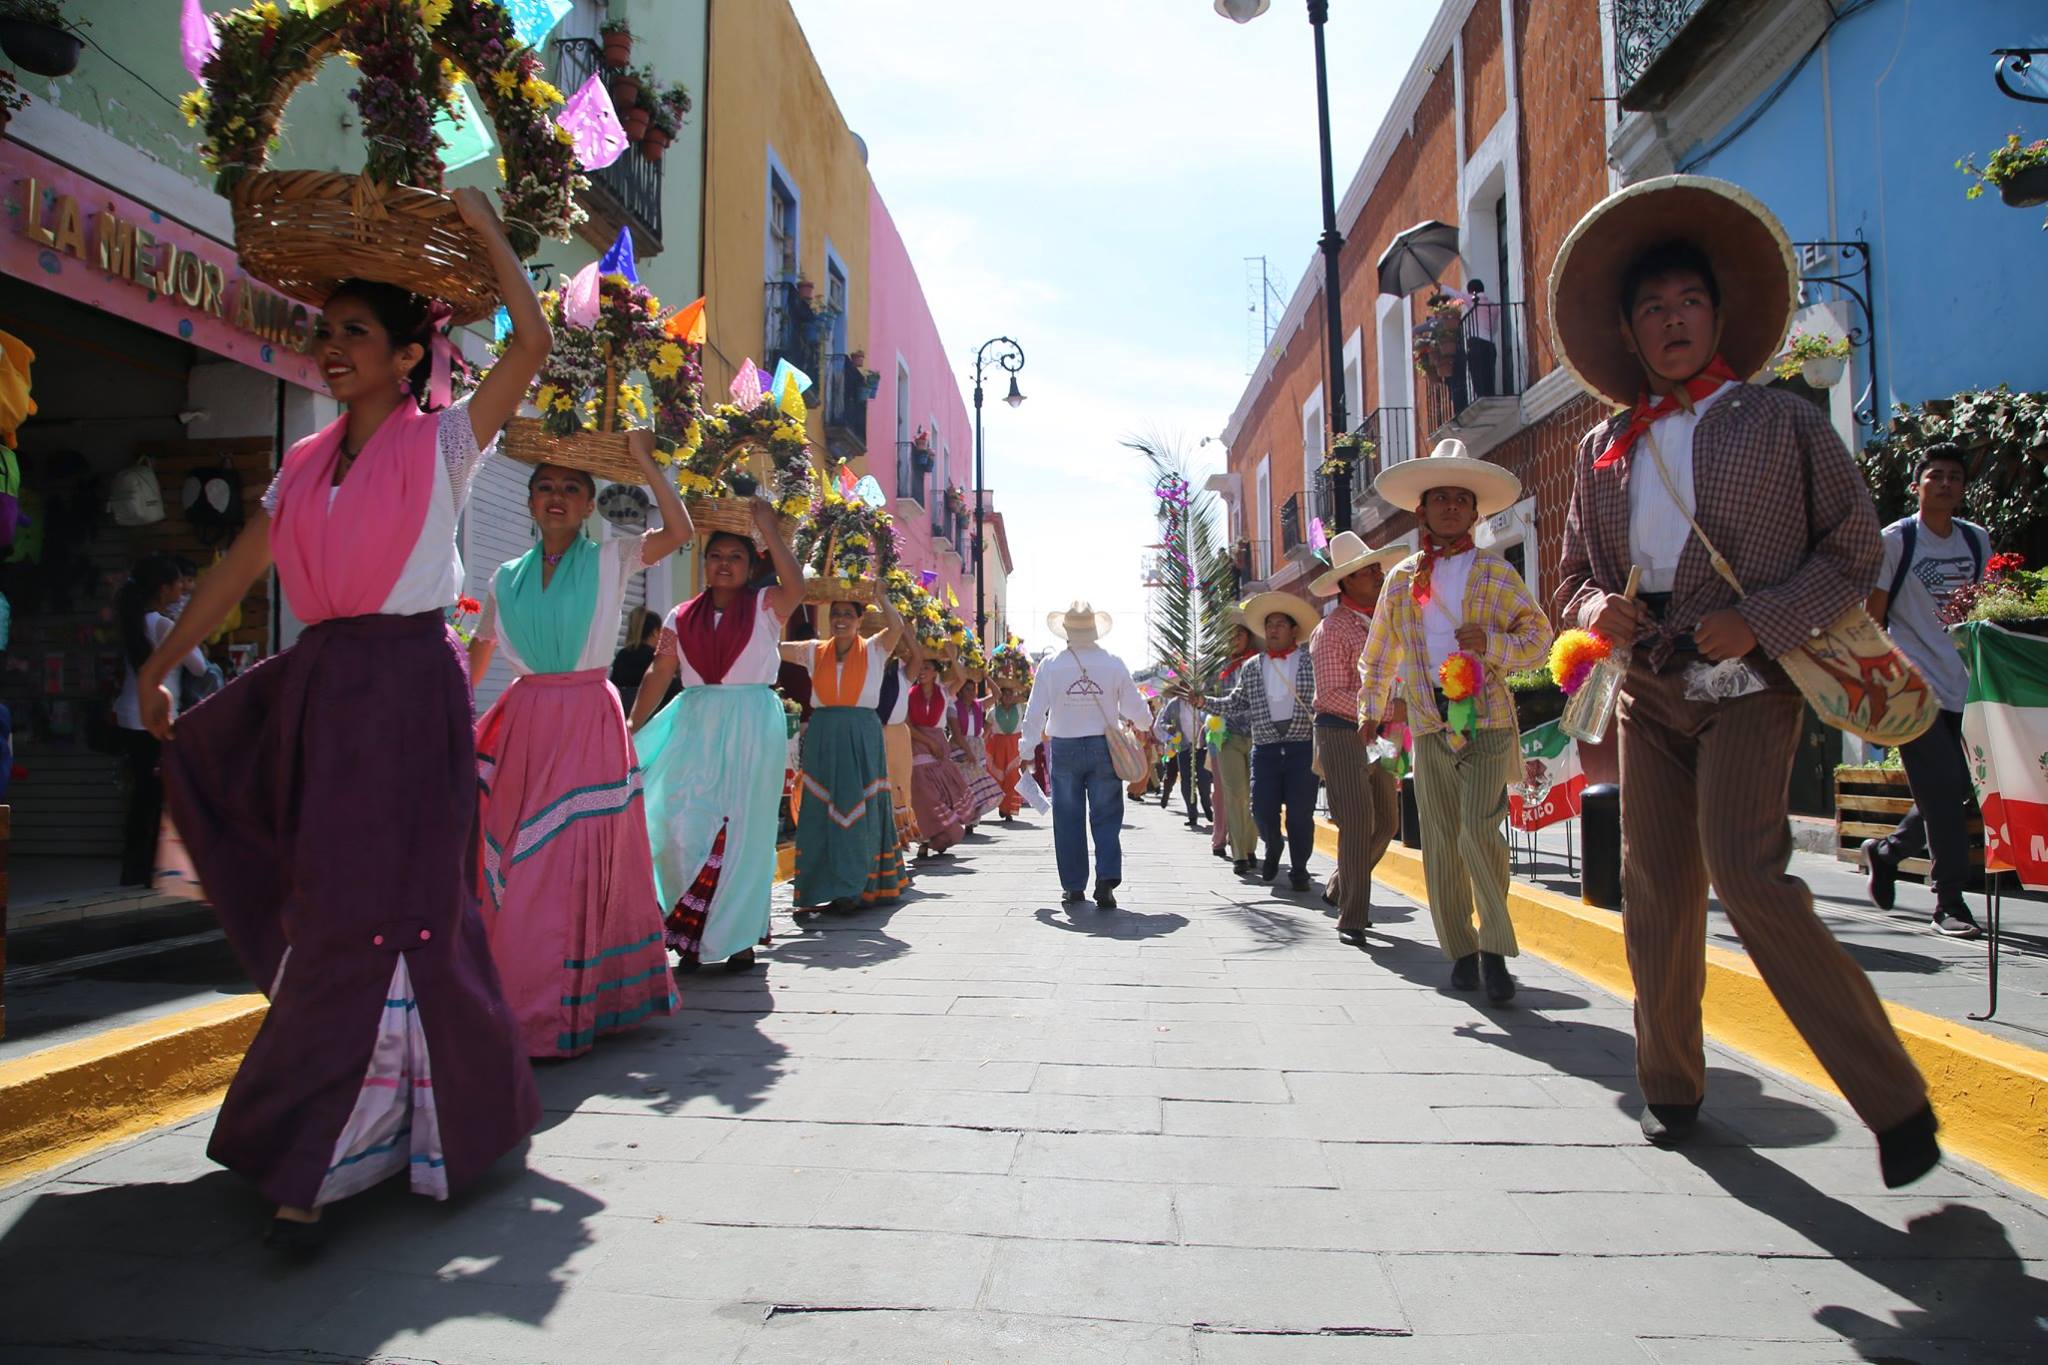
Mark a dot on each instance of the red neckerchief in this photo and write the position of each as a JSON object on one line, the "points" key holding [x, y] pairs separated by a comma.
{"points": [[711, 642], [1280, 654], [1433, 550], [1236, 663], [1679, 399]]}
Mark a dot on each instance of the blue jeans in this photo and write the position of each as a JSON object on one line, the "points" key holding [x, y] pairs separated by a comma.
{"points": [[1086, 795], [1283, 777]]}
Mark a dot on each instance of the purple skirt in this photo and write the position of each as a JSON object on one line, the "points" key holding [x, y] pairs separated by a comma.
{"points": [[329, 801]]}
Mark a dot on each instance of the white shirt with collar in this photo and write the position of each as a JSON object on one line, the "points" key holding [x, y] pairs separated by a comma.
{"points": [[1446, 609], [1280, 689], [1065, 704], [1657, 526]]}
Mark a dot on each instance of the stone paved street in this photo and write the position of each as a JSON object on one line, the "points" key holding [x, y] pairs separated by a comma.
{"points": [[981, 1128]]}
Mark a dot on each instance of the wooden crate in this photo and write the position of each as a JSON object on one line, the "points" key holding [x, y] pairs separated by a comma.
{"points": [[1868, 805]]}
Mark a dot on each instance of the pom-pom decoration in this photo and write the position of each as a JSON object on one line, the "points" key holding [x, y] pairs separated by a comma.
{"points": [[1573, 655], [1460, 678]]}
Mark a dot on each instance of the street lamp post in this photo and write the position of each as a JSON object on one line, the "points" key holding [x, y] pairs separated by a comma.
{"points": [[1243, 12], [1010, 356]]}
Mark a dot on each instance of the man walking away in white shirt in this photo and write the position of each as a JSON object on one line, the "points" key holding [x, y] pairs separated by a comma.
{"points": [[1075, 699], [1182, 718]]}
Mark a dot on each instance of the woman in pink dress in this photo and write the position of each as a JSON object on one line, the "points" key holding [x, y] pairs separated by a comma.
{"points": [[328, 796], [568, 882]]}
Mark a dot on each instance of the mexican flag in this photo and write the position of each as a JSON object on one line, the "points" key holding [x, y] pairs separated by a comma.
{"points": [[1551, 782], [2005, 738]]}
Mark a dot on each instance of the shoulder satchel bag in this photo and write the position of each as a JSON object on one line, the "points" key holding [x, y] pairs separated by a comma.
{"points": [[1851, 673], [1126, 758]]}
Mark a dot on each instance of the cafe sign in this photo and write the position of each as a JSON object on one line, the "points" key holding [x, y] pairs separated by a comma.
{"points": [[75, 236]]}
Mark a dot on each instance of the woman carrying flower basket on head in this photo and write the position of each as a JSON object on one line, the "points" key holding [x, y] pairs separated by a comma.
{"points": [[568, 884], [328, 795], [970, 733], [712, 761], [937, 791], [847, 853]]}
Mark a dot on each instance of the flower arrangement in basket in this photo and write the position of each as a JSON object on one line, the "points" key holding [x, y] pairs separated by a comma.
{"points": [[1436, 337], [756, 443], [583, 391], [304, 231], [1349, 453], [1815, 355], [1009, 666], [920, 611], [848, 547], [2018, 169]]}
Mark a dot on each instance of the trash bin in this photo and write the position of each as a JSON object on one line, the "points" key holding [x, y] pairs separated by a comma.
{"points": [[1600, 827]]}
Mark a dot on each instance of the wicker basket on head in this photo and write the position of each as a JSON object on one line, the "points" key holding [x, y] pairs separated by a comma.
{"points": [[304, 232], [605, 454], [733, 515], [821, 590]]}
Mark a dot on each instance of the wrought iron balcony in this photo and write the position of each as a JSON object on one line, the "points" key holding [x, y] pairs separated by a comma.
{"points": [[1392, 433], [1478, 368], [913, 466], [846, 408], [627, 192], [1660, 45], [1293, 526], [794, 330]]}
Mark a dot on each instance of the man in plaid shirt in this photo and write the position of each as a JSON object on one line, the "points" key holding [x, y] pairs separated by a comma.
{"points": [[1456, 600], [1273, 701], [1697, 456]]}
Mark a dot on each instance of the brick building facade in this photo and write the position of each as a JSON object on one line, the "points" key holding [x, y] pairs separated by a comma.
{"points": [[1499, 131]]}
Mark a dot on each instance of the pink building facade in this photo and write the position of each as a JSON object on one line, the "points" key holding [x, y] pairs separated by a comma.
{"points": [[920, 440]]}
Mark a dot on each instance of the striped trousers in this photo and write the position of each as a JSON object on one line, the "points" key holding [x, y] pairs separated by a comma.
{"points": [[1462, 796], [1234, 800], [1365, 803], [1704, 793]]}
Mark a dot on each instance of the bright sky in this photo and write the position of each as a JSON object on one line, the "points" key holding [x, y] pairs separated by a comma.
{"points": [[1088, 177]]}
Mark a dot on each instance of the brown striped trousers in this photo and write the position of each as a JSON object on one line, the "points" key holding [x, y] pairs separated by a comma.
{"points": [[1705, 788], [1366, 806]]}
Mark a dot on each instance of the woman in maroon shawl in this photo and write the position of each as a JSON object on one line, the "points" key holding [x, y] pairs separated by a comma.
{"points": [[938, 793], [712, 761]]}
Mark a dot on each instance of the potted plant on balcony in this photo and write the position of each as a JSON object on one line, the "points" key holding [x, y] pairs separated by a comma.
{"points": [[618, 42], [921, 451], [37, 37], [1436, 337], [2018, 169], [676, 101], [1350, 454], [1816, 357], [625, 87], [870, 381], [661, 132]]}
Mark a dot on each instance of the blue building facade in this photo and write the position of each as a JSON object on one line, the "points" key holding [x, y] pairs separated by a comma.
{"points": [[1847, 120]]}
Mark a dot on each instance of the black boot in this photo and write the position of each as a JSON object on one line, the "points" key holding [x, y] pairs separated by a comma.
{"points": [[1667, 1125], [1270, 871], [1105, 894], [1465, 973], [1909, 1151], [1241, 866], [1500, 987]]}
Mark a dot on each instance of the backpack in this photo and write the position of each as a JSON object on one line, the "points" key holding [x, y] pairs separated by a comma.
{"points": [[1975, 536], [134, 497]]}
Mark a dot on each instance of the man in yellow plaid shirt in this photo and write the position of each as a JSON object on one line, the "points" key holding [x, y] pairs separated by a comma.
{"points": [[1456, 604]]}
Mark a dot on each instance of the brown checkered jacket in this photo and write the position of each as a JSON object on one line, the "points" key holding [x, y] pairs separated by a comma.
{"points": [[1777, 493]]}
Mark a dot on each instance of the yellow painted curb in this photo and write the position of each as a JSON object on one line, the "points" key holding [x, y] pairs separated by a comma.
{"points": [[59, 1104], [64, 1101], [1991, 1095]]}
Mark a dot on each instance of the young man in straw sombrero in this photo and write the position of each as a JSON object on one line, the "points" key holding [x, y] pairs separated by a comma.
{"points": [[1664, 297], [1273, 701], [1456, 604], [1364, 798], [1077, 697]]}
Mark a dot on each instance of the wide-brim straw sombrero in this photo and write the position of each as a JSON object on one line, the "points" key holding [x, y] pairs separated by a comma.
{"points": [[1349, 555], [1081, 616], [1448, 466], [1258, 608], [1753, 263]]}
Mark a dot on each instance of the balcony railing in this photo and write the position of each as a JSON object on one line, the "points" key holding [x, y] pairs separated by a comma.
{"points": [[1479, 360], [629, 190], [1661, 47], [1392, 433], [794, 330], [846, 408], [909, 478], [1293, 525]]}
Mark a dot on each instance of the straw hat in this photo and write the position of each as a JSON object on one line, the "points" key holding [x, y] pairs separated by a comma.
{"points": [[1258, 608], [1448, 466], [1079, 617], [1349, 555], [1743, 241]]}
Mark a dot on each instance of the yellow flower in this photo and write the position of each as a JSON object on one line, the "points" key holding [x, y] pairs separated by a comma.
{"points": [[794, 507], [562, 135], [194, 106], [432, 12], [545, 399], [506, 80], [267, 12], [501, 168], [540, 94], [237, 124]]}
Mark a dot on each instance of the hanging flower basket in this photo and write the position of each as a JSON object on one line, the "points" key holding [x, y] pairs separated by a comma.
{"points": [[1819, 358], [1823, 372], [43, 49], [303, 232], [2025, 189]]}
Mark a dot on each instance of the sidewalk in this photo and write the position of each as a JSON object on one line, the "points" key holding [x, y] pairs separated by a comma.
{"points": [[981, 1128]]}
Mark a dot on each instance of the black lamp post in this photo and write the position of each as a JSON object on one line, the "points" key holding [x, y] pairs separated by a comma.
{"points": [[1243, 12], [1010, 356]]}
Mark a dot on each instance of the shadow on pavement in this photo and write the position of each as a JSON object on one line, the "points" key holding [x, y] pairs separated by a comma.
{"points": [[177, 1270], [1085, 918], [1957, 1264]]}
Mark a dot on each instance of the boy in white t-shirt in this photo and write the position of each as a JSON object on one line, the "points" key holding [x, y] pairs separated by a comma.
{"points": [[1926, 558]]}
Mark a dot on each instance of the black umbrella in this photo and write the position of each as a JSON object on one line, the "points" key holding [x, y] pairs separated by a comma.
{"points": [[1417, 257]]}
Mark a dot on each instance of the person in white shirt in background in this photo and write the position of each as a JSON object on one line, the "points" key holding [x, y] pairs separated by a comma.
{"points": [[1078, 694], [155, 584], [1182, 717]]}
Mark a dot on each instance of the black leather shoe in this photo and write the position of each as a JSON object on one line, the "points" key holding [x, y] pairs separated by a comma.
{"points": [[1222, 853], [1500, 986], [742, 961], [1465, 973], [1300, 881], [1072, 897], [1241, 866], [1270, 870], [1105, 895], [1909, 1151], [1667, 1125], [1353, 937], [1884, 874]]}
